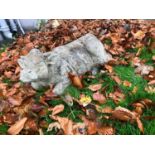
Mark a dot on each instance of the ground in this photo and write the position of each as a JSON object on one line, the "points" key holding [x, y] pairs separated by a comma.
{"points": [[114, 98]]}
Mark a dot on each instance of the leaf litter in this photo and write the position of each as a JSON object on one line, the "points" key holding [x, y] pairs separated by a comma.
{"points": [[121, 92]]}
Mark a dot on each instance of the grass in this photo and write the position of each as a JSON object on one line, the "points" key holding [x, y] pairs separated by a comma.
{"points": [[3, 129], [146, 55]]}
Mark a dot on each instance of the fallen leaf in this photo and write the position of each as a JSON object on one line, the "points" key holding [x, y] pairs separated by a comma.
{"points": [[95, 87], [55, 23], [79, 129], [123, 114], [106, 109], [99, 97], [117, 79], [54, 125], [66, 125], [109, 68], [91, 126], [127, 83], [8, 74], [31, 125], [16, 101], [139, 35], [150, 89], [144, 69], [106, 130], [57, 109], [76, 81], [153, 57], [140, 125], [17, 127], [152, 82]]}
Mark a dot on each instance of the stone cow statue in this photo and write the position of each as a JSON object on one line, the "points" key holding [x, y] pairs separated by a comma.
{"points": [[42, 69]]}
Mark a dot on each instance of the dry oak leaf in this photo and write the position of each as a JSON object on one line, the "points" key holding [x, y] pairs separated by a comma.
{"points": [[106, 109], [109, 68], [95, 87], [65, 124], [106, 130], [91, 126], [127, 83], [144, 69], [15, 101], [76, 81], [152, 82], [99, 97], [140, 125], [117, 79], [139, 35], [57, 109], [79, 129], [17, 127], [54, 125], [123, 114]]}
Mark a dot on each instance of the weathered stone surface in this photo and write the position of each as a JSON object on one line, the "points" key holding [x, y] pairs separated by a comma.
{"points": [[42, 69]]}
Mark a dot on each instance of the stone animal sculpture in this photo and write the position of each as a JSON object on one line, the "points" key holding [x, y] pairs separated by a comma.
{"points": [[42, 69]]}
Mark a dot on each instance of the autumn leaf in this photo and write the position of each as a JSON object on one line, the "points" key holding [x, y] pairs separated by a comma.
{"points": [[57, 109], [109, 68], [117, 79], [123, 114], [99, 97], [95, 87], [127, 83], [106, 130], [76, 81], [17, 127], [16, 101], [106, 109], [79, 129], [139, 35], [152, 82], [54, 125], [140, 125], [65, 124], [91, 126]]}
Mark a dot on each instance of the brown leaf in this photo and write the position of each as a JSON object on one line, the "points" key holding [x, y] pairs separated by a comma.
{"points": [[140, 125], [123, 114], [91, 126], [95, 87], [17, 127], [16, 101], [54, 125], [31, 125], [66, 125], [117, 79], [127, 83], [57, 109], [8, 74], [99, 97], [152, 82], [106, 130], [139, 35], [109, 68], [79, 129], [106, 109], [76, 81]]}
